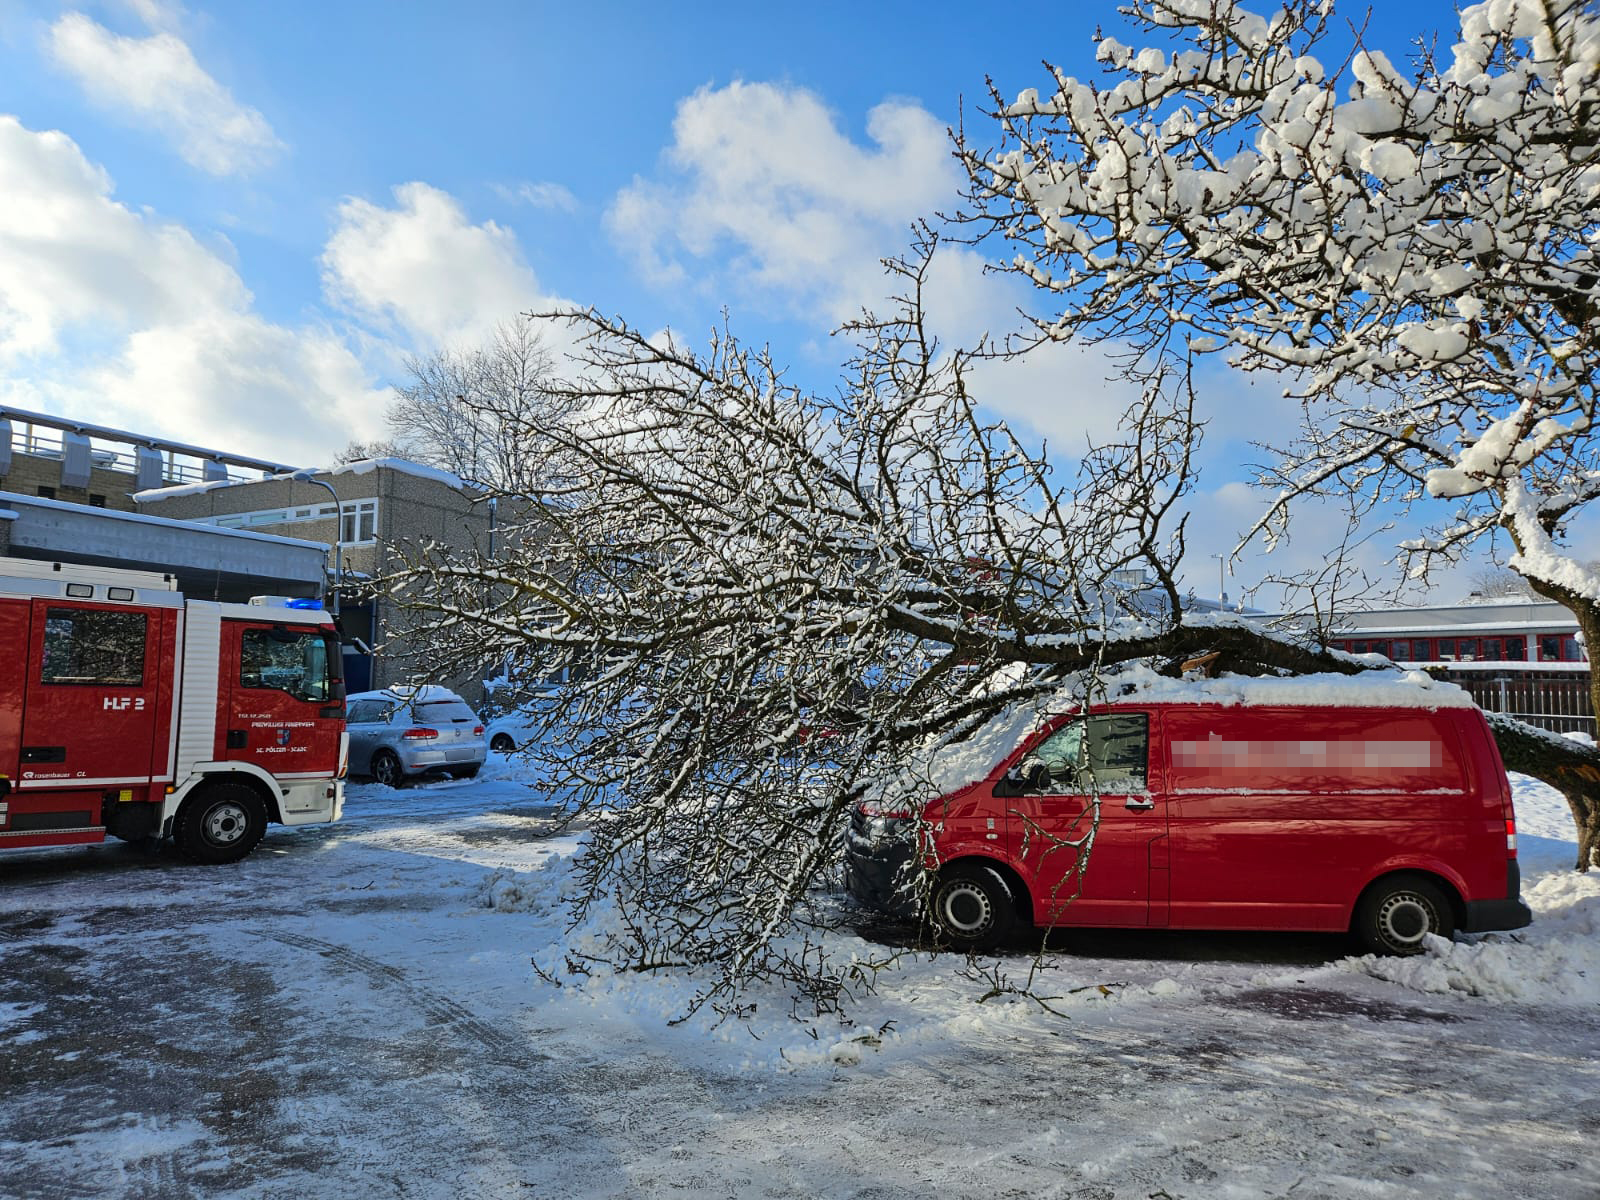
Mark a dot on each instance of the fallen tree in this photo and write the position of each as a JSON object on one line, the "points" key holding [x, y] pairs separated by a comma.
{"points": [[741, 602]]}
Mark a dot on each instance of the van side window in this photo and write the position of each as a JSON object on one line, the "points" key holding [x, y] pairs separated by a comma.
{"points": [[1106, 753], [87, 645]]}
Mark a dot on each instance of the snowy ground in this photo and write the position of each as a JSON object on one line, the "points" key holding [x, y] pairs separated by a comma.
{"points": [[354, 1011]]}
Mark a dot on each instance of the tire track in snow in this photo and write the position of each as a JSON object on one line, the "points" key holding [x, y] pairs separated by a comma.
{"points": [[440, 1009]]}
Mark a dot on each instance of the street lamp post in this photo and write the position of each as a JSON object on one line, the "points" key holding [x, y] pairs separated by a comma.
{"points": [[308, 475], [1222, 583]]}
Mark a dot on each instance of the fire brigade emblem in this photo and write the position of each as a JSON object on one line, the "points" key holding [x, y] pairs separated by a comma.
{"points": [[283, 737]]}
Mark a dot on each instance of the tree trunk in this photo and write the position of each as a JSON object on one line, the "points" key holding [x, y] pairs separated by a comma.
{"points": [[1570, 767]]}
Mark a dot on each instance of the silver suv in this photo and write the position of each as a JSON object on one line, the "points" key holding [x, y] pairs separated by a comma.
{"points": [[400, 732]]}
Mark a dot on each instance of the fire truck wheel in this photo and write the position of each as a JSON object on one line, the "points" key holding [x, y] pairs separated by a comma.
{"points": [[221, 823], [972, 907], [386, 769]]}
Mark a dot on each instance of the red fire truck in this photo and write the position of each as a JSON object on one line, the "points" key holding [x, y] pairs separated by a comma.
{"points": [[127, 709]]}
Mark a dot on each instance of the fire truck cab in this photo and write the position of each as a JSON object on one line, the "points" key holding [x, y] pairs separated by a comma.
{"points": [[128, 710]]}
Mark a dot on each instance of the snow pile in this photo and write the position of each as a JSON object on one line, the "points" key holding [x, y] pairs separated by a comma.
{"points": [[1554, 961], [1139, 684], [541, 892]]}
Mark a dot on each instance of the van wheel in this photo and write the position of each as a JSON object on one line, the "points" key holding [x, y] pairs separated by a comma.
{"points": [[386, 769], [220, 823], [1395, 915], [972, 908]]}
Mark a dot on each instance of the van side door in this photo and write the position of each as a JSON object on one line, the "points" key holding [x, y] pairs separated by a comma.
{"points": [[1087, 822], [1280, 816]]}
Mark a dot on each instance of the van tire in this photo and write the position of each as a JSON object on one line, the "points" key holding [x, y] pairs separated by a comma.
{"points": [[220, 823], [972, 907], [1397, 912]]}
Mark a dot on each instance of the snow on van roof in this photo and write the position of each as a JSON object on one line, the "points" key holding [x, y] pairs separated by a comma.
{"points": [[947, 764], [1370, 689]]}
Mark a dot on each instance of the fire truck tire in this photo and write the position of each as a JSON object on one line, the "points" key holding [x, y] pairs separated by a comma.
{"points": [[386, 769], [220, 823]]}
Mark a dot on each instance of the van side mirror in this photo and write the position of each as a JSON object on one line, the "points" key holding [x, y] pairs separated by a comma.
{"points": [[1026, 777]]}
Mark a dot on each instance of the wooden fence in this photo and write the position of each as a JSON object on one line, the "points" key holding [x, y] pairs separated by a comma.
{"points": [[1554, 700]]}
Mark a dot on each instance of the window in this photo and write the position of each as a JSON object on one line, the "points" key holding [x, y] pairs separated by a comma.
{"points": [[86, 645], [293, 661], [360, 522], [1118, 748], [358, 519], [96, 500], [363, 711], [1517, 649], [47, 493], [1559, 647], [1445, 649]]}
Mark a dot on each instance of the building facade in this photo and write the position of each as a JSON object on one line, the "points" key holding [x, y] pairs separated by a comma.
{"points": [[374, 515], [94, 465], [1519, 656]]}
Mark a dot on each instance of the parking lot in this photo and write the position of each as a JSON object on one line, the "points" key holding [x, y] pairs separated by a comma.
{"points": [[353, 1010]]}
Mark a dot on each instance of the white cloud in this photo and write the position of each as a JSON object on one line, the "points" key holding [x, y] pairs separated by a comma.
{"points": [[765, 184], [69, 254], [157, 80], [423, 267], [156, 14], [121, 319], [545, 195]]}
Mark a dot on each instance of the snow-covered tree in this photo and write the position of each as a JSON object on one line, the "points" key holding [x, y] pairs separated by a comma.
{"points": [[763, 600], [1413, 251], [473, 411]]}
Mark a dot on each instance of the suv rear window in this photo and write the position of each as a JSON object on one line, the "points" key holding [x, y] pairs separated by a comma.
{"points": [[442, 712]]}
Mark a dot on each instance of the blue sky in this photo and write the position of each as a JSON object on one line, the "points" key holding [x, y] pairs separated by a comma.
{"points": [[230, 224]]}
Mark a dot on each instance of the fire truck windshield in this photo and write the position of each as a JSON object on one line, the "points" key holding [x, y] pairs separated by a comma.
{"points": [[293, 661]]}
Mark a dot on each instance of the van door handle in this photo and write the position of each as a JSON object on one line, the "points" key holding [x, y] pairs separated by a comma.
{"points": [[1139, 805]]}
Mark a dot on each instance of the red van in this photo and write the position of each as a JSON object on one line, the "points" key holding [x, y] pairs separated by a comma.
{"points": [[1244, 808]]}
